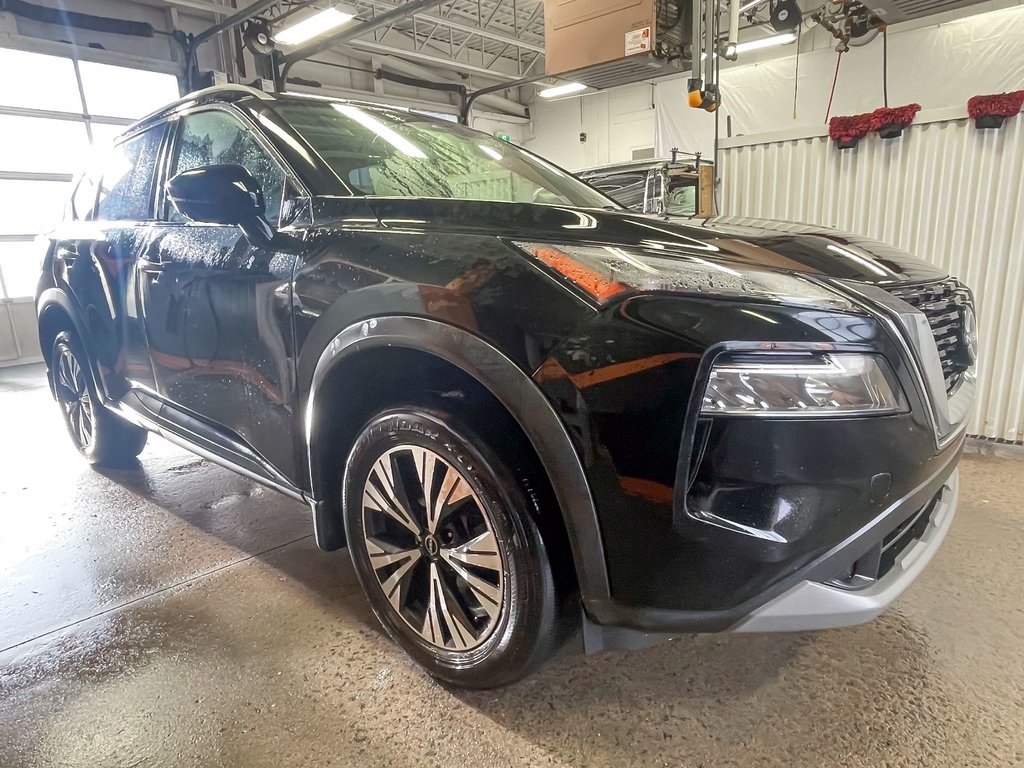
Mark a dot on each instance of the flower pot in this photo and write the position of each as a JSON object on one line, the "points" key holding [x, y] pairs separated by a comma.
{"points": [[988, 122], [891, 131], [849, 143]]}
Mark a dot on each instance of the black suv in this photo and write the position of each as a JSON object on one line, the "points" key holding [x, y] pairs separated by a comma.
{"points": [[521, 407]]}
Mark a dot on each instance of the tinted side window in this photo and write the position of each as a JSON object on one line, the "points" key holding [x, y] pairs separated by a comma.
{"points": [[217, 138], [127, 185]]}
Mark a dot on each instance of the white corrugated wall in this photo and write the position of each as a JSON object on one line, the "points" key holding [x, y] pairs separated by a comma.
{"points": [[945, 192]]}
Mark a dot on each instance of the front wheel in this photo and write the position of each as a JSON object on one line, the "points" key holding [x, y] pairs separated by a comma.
{"points": [[445, 539], [100, 436]]}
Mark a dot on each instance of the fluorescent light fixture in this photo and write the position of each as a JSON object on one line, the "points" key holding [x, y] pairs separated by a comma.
{"points": [[490, 152], [313, 26], [371, 123], [765, 42], [562, 90]]}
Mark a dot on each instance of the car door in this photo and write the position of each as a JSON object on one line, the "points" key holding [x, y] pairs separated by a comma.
{"points": [[97, 257], [217, 307]]}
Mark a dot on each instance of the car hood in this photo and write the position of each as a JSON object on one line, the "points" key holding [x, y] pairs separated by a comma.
{"points": [[755, 244]]}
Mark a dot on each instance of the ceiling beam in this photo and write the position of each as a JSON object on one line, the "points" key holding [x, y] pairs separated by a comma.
{"points": [[426, 58]]}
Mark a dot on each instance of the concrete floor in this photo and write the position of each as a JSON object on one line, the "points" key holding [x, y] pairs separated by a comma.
{"points": [[179, 615]]}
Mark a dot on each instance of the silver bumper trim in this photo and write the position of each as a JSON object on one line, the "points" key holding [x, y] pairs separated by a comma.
{"points": [[811, 605]]}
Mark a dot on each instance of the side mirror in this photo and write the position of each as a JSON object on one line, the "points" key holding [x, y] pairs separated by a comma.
{"points": [[222, 194]]}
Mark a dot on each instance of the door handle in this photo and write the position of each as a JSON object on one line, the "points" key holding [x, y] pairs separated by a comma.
{"points": [[67, 253]]}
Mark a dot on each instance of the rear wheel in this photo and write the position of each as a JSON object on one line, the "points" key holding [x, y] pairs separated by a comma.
{"points": [[446, 543], [99, 435]]}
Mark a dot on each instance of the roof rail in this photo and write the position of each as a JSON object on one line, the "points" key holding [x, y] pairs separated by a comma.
{"points": [[205, 94]]}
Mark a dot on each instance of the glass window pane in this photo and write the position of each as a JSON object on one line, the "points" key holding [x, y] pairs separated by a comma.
{"points": [[31, 207], [20, 265], [127, 185], [215, 138], [125, 92], [42, 146], [38, 81]]}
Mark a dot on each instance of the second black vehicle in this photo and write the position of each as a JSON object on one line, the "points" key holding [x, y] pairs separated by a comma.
{"points": [[521, 407]]}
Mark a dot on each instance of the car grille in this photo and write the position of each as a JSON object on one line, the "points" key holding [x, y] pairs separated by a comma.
{"points": [[942, 303]]}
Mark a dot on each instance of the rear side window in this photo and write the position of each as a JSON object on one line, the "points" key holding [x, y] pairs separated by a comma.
{"points": [[126, 189]]}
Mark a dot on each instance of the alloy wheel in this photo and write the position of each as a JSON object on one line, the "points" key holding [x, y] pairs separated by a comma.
{"points": [[73, 395], [432, 547]]}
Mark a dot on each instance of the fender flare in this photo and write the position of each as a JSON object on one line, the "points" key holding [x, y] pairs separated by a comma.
{"points": [[55, 297], [516, 391]]}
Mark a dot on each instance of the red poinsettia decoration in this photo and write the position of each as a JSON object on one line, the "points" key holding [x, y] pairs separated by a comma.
{"points": [[902, 116], [996, 104], [888, 121], [851, 128]]}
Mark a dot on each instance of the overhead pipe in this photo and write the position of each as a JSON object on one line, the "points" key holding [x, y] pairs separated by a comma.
{"points": [[467, 104], [76, 20], [733, 40], [487, 95], [192, 42]]}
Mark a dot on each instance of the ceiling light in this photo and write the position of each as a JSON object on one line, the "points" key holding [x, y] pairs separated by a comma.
{"points": [[562, 90], [313, 26], [766, 42]]}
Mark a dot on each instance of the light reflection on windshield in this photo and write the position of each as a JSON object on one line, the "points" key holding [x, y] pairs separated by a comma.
{"points": [[385, 153]]}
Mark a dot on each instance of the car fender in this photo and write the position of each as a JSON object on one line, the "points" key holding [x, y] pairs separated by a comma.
{"points": [[516, 391], [53, 298]]}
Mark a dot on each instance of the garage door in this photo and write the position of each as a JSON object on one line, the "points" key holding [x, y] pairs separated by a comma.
{"points": [[53, 110]]}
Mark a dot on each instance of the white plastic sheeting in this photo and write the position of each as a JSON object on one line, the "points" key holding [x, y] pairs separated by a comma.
{"points": [[945, 192], [935, 66]]}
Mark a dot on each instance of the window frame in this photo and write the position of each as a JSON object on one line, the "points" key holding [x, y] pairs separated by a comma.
{"points": [[293, 186]]}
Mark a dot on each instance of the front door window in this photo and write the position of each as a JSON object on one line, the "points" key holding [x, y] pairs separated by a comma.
{"points": [[217, 138]]}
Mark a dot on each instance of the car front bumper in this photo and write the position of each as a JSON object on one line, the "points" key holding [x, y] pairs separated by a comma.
{"points": [[827, 592], [816, 605]]}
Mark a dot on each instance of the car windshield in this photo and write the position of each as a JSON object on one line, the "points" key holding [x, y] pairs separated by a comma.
{"points": [[386, 153]]}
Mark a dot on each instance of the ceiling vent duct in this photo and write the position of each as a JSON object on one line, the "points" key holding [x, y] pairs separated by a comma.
{"points": [[605, 43]]}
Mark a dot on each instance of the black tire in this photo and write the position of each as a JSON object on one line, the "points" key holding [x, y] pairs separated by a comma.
{"points": [[502, 508], [101, 436]]}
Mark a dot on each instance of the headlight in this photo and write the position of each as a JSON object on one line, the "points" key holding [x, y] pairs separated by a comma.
{"points": [[834, 384], [605, 272]]}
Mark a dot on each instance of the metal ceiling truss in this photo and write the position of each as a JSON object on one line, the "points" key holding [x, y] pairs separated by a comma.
{"points": [[502, 40], [507, 35], [496, 38]]}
